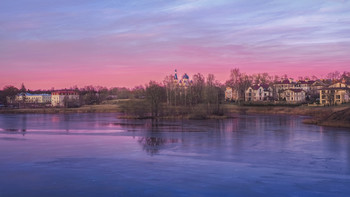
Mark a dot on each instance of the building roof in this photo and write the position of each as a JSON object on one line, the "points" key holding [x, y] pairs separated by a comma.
{"points": [[265, 86], [286, 81], [336, 88], [318, 83], [64, 92], [295, 90], [257, 86], [306, 82], [30, 94], [185, 76]]}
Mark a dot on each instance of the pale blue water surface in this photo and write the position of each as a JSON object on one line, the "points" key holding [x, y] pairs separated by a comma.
{"points": [[101, 155]]}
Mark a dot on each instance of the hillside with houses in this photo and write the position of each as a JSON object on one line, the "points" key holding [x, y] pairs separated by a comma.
{"points": [[262, 88], [180, 94], [316, 92]]}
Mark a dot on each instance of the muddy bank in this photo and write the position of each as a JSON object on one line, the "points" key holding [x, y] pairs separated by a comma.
{"points": [[339, 118], [292, 110]]}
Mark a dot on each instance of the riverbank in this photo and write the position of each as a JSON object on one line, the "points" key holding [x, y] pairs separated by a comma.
{"points": [[334, 116], [340, 118], [104, 108], [290, 110], [228, 109]]}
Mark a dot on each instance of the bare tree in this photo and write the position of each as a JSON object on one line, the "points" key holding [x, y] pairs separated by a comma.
{"points": [[346, 76], [198, 86], [334, 76], [138, 92], [9, 94], [169, 86], [155, 94], [23, 92]]}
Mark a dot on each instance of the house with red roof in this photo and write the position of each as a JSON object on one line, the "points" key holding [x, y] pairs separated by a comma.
{"points": [[259, 92], [63, 97], [280, 87], [305, 85]]}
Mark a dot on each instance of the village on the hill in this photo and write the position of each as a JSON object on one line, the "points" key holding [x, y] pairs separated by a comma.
{"points": [[322, 92], [240, 88]]}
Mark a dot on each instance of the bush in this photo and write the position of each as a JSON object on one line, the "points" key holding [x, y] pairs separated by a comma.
{"points": [[137, 108], [199, 112]]}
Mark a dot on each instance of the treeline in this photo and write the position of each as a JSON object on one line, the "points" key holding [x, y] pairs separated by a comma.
{"points": [[202, 97], [198, 98], [89, 95]]}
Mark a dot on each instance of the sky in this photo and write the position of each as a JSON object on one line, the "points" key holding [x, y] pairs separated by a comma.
{"points": [[113, 43]]}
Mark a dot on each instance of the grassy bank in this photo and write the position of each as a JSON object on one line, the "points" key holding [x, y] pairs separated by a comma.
{"points": [[292, 110], [335, 116], [105, 108]]}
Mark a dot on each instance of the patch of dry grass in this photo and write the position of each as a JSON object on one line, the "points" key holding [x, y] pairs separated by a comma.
{"points": [[84, 109]]}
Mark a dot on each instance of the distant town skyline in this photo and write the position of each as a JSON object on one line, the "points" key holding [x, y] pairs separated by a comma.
{"points": [[123, 43]]}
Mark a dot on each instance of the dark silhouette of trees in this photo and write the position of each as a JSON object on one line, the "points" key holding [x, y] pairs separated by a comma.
{"points": [[138, 92], [198, 87], [89, 95], [8, 94], [239, 82], [346, 77], [155, 95], [23, 92], [334, 76]]}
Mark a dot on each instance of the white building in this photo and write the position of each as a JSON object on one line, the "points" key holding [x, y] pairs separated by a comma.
{"points": [[231, 94], [294, 95], [33, 98], [228, 94], [258, 93], [337, 93], [305, 85], [61, 98]]}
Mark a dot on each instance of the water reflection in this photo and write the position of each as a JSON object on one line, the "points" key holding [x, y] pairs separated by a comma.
{"points": [[152, 145], [246, 137], [245, 153]]}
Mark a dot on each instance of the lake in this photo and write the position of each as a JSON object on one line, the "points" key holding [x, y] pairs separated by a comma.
{"points": [[101, 155]]}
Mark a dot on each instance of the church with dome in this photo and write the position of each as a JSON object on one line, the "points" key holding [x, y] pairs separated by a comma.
{"points": [[184, 81]]}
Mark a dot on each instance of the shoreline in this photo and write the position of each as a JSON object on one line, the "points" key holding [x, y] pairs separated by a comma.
{"points": [[318, 115], [105, 108], [229, 109]]}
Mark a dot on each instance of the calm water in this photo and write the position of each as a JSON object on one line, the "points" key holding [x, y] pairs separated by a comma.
{"points": [[100, 155]]}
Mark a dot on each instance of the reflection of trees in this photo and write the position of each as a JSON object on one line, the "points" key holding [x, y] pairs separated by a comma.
{"points": [[24, 124], [67, 120], [152, 145]]}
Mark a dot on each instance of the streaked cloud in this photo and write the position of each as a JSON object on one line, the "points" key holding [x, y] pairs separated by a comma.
{"points": [[103, 37]]}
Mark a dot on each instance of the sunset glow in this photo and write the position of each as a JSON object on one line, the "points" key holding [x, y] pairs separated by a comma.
{"points": [[126, 43]]}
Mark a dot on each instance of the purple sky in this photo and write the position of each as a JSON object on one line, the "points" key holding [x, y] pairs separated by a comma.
{"points": [[63, 43]]}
